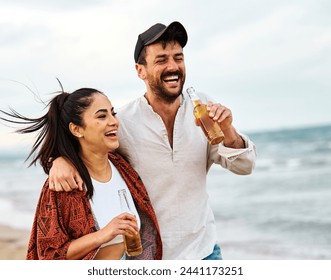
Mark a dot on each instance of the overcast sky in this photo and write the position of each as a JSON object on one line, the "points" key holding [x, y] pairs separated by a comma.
{"points": [[269, 61]]}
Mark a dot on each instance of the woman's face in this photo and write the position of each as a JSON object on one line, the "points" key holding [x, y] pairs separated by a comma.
{"points": [[99, 133]]}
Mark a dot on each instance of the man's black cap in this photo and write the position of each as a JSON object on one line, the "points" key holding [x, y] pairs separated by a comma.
{"points": [[155, 32]]}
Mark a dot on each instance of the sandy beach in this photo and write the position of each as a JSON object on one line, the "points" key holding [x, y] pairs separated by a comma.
{"points": [[13, 243]]}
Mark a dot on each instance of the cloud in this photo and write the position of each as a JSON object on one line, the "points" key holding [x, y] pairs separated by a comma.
{"points": [[52, 5], [249, 54]]}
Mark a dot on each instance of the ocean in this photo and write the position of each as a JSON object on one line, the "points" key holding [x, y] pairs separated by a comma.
{"points": [[280, 212]]}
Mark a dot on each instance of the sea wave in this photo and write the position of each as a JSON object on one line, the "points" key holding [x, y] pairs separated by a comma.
{"points": [[280, 211]]}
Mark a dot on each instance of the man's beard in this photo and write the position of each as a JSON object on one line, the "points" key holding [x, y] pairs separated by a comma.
{"points": [[161, 92]]}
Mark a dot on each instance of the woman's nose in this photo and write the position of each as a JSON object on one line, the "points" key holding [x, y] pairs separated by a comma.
{"points": [[113, 120]]}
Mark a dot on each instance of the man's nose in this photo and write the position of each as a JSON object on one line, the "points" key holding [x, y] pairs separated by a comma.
{"points": [[172, 64]]}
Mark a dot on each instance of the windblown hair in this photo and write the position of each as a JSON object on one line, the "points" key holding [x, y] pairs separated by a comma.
{"points": [[54, 138]]}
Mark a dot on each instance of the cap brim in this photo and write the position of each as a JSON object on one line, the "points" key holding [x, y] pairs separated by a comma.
{"points": [[182, 39]]}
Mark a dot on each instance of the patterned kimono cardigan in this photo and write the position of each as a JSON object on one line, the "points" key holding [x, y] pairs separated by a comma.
{"points": [[62, 217]]}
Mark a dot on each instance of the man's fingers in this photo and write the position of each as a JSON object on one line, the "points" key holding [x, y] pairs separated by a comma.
{"points": [[57, 187], [79, 182], [66, 186], [69, 184], [51, 185]]}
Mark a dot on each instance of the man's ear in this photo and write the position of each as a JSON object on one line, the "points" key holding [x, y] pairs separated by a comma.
{"points": [[141, 71], [75, 130]]}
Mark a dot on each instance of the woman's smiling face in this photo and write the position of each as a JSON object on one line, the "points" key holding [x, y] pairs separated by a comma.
{"points": [[99, 132]]}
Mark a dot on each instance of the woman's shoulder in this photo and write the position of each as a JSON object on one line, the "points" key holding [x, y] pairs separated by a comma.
{"points": [[69, 196]]}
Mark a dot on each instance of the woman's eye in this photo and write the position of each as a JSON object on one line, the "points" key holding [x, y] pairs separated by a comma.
{"points": [[102, 116]]}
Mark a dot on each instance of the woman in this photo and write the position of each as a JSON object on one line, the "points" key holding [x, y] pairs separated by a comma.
{"points": [[82, 127]]}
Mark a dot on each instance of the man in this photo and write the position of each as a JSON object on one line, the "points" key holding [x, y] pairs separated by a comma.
{"points": [[159, 137]]}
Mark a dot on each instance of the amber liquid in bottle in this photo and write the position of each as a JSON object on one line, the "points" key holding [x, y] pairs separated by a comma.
{"points": [[210, 128], [132, 244]]}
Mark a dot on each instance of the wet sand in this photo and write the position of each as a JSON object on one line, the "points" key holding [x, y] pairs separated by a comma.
{"points": [[13, 243]]}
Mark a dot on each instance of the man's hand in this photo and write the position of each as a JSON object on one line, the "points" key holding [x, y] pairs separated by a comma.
{"points": [[223, 116], [63, 176]]}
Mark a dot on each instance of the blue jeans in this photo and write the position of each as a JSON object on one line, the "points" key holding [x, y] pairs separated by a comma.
{"points": [[215, 255]]}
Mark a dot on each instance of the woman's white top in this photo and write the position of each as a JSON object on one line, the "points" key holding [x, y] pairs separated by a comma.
{"points": [[105, 202]]}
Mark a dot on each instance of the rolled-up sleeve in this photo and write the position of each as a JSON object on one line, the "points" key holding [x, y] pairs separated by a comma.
{"points": [[238, 161]]}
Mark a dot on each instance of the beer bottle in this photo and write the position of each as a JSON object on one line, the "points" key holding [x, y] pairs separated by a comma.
{"points": [[132, 244], [211, 128]]}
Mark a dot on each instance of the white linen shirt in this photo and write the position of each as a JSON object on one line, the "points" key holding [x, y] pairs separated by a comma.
{"points": [[175, 177]]}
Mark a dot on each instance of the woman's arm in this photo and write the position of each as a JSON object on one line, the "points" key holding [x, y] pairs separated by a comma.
{"points": [[124, 224], [64, 227]]}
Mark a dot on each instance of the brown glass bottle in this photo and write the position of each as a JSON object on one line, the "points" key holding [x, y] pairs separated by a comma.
{"points": [[211, 128], [132, 244]]}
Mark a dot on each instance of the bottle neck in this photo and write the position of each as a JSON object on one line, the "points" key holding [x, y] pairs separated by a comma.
{"points": [[191, 93], [193, 96], [125, 207]]}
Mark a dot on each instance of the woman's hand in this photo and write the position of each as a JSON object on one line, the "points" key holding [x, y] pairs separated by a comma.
{"points": [[123, 224]]}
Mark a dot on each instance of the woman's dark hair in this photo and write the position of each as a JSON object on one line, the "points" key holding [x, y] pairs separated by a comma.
{"points": [[54, 138]]}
